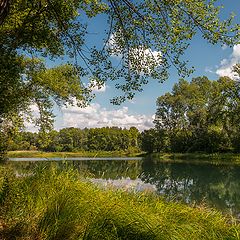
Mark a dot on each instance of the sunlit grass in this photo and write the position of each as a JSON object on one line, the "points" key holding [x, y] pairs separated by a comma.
{"points": [[213, 158], [32, 154], [60, 204]]}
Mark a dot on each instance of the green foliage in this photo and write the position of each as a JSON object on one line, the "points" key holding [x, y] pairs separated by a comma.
{"points": [[36, 86], [200, 115], [57, 28], [75, 139], [158, 31], [57, 203], [153, 140]]}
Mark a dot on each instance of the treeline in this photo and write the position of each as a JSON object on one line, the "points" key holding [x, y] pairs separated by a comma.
{"points": [[197, 116], [75, 139]]}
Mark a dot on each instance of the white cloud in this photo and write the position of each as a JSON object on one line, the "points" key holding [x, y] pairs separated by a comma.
{"points": [[236, 51], [226, 65], [97, 87], [224, 47], [144, 58], [29, 121], [97, 116], [140, 57], [208, 70]]}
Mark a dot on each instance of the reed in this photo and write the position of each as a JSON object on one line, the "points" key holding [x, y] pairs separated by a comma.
{"points": [[59, 204], [32, 154]]}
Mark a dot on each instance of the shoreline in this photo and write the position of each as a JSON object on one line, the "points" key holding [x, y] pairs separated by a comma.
{"points": [[197, 158], [94, 154]]}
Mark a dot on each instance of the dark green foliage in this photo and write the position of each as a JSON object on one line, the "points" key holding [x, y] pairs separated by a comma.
{"points": [[75, 139], [149, 140], [200, 116], [4, 189]]}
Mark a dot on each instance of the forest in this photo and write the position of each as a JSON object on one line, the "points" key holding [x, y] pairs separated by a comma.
{"points": [[197, 116], [75, 139]]}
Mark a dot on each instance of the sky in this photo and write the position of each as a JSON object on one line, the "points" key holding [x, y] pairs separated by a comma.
{"points": [[209, 60]]}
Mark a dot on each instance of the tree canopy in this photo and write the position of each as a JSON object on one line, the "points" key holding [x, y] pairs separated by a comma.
{"points": [[147, 36], [200, 116], [75, 139]]}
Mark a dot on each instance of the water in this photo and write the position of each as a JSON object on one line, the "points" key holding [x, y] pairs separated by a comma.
{"points": [[216, 186]]}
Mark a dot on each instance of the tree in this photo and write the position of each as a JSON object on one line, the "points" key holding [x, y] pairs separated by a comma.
{"points": [[148, 140], [148, 36], [36, 85], [200, 115], [137, 31]]}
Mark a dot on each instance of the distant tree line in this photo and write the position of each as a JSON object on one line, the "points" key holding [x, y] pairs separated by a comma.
{"points": [[197, 116], [75, 139]]}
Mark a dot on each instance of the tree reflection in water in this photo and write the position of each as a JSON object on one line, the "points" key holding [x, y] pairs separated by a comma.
{"points": [[215, 185]]}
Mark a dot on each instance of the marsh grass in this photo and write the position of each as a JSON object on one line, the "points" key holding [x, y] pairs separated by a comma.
{"points": [[31, 154], [56, 203], [214, 158]]}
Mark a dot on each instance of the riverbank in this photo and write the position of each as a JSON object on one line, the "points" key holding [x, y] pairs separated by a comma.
{"points": [[39, 154], [214, 158], [59, 204]]}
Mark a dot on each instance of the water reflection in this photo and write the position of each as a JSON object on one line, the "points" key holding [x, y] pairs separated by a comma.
{"points": [[216, 186], [127, 184]]}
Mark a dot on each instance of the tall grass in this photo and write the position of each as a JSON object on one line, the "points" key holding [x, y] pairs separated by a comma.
{"points": [[59, 204], [31, 154], [213, 158]]}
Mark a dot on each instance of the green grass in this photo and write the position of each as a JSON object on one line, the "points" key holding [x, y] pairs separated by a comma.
{"points": [[32, 154], [214, 158], [59, 204]]}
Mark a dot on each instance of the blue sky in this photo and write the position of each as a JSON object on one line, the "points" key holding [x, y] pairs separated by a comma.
{"points": [[211, 61]]}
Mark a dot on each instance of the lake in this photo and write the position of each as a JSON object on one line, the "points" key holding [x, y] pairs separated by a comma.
{"points": [[216, 186]]}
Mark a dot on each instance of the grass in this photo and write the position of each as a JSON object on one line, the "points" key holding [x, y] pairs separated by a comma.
{"points": [[213, 158], [59, 204], [32, 154]]}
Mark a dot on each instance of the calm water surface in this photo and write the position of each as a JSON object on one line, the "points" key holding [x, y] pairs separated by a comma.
{"points": [[217, 186]]}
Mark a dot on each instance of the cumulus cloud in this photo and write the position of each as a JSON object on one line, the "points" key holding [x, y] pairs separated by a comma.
{"points": [[226, 65], [143, 57], [113, 46], [97, 87], [97, 116]]}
